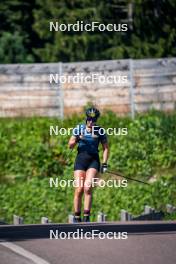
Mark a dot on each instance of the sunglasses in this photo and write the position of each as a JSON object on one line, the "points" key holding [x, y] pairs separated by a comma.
{"points": [[93, 119]]}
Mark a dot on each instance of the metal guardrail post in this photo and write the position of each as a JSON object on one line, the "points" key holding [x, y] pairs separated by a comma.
{"points": [[17, 220], [170, 208], [101, 217], [123, 215], [131, 89], [44, 220], [129, 217], [148, 209], [71, 218]]}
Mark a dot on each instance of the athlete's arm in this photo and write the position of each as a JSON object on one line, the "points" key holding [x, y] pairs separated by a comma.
{"points": [[74, 138], [72, 142], [105, 152]]}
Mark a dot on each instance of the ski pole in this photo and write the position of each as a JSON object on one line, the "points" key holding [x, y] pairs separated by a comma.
{"points": [[121, 175]]}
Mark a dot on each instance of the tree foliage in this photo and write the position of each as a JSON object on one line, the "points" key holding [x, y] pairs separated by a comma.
{"points": [[153, 33]]}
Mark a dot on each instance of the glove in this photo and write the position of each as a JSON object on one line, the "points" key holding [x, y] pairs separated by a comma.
{"points": [[80, 137], [104, 167]]}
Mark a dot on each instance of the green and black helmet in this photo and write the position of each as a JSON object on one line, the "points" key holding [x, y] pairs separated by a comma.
{"points": [[92, 113]]}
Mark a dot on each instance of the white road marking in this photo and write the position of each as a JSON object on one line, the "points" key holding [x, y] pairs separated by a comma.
{"points": [[23, 252]]}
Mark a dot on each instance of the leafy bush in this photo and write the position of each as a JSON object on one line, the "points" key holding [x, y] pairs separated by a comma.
{"points": [[29, 156], [34, 198]]}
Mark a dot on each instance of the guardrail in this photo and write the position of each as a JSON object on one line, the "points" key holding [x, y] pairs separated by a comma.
{"points": [[148, 214]]}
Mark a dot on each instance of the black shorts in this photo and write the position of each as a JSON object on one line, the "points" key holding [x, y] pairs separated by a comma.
{"points": [[85, 161]]}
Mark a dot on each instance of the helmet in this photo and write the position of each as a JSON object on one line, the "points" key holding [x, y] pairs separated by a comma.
{"points": [[92, 113]]}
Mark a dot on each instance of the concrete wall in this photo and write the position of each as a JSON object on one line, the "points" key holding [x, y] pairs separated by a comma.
{"points": [[25, 89]]}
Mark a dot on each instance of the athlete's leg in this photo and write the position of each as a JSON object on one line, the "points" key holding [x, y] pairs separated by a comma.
{"points": [[90, 175], [79, 177]]}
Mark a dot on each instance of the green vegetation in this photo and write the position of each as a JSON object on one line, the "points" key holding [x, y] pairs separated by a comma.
{"points": [[26, 23], [34, 198], [29, 156]]}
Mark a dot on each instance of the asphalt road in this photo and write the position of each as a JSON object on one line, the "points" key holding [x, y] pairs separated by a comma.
{"points": [[138, 248], [7, 256]]}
